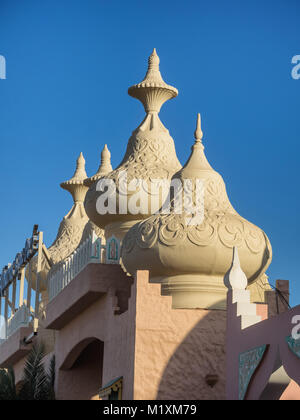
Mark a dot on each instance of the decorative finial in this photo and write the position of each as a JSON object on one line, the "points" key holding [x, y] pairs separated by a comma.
{"points": [[153, 92], [198, 133], [105, 155], [153, 64], [80, 168], [75, 185], [235, 278], [104, 168]]}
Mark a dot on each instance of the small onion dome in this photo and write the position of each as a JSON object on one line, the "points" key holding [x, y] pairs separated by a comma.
{"points": [[150, 155], [189, 259], [104, 168]]}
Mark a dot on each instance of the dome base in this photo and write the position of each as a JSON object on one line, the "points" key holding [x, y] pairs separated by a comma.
{"points": [[119, 229], [194, 292]]}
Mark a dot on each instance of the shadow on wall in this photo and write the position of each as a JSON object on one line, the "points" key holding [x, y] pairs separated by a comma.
{"points": [[80, 375], [196, 371]]}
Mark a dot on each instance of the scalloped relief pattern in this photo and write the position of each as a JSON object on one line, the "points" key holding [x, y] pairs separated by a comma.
{"points": [[221, 223]]}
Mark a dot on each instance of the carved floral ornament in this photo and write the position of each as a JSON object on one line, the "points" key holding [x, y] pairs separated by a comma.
{"points": [[150, 153], [221, 224], [150, 156]]}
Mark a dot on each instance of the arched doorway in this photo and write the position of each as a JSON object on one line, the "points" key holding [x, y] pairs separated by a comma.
{"points": [[80, 375]]}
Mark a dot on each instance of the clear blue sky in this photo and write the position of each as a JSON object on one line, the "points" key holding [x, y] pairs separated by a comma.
{"points": [[69, 64]]}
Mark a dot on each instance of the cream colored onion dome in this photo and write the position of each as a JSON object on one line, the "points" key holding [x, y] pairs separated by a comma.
{"points": [[71, 228], [191, 259], [150, 155]]}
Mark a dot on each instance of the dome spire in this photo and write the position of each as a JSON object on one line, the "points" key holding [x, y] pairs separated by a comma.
{"points": [[153, 73], [104, 168], [105, 165], [80, 172], [75, 185], [235, 278], [153, 92], [197, 160], [198, 133]]}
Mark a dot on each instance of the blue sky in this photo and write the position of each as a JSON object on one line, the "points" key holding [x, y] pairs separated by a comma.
{"points": [[69, 64]]}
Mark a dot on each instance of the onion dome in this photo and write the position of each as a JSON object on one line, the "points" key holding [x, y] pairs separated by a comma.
{"points": [[189, 251], [150, 155], [71, 228]]}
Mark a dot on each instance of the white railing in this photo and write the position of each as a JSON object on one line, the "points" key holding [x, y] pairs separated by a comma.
{"points": [[90, 251], [21, 318]]}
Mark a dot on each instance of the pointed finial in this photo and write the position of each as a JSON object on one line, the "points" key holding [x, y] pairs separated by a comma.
{"points": [[153, 63], [80, 172], [105, 154], [153, 92], [75, 185], [198, 133], [104, 168], [235, 278]]}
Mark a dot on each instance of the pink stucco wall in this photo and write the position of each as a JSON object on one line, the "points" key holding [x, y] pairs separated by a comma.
{"points": [[162, 353], [175, 348]]}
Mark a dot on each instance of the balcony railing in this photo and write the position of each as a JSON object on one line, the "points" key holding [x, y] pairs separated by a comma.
{"points": [[21, 318], [90, 251]]}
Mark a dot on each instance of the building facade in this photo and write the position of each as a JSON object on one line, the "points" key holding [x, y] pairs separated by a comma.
{"points": [[141, 302]]}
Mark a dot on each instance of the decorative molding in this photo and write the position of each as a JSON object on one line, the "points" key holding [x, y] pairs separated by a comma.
{"points": [[113, 250], [114, 386]]}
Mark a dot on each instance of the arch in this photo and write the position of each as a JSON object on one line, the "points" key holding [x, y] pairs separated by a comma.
{"points": [[80, 374], [73, 355]]}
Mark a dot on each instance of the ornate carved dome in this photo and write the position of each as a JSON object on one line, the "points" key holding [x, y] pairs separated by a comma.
{"points": [[150, 155], [89, 227], [190, 260], [71, 228]]}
